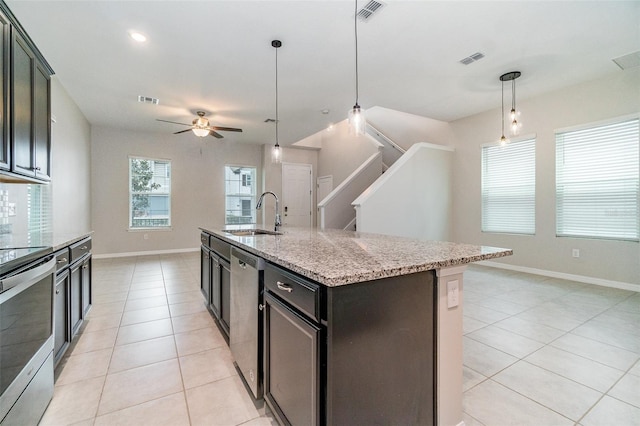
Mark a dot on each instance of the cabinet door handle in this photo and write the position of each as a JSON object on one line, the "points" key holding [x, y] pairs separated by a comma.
{"points": [[37, 168], [261, 306], [242, 264], [284, 287], [58, 291], [63, 260], [84, 248]]}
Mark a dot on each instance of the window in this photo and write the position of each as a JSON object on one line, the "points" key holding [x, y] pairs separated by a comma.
{"points": [[597, 182], [240, 195], [149, 193], [509, 188]]}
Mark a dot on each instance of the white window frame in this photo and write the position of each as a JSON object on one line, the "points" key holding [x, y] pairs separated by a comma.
{"points": [[508, 187], [245, 180], [611, 210], [152, 192]]}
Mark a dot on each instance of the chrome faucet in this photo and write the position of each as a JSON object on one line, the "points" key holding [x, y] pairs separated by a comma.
{"points": [[259, 206]]}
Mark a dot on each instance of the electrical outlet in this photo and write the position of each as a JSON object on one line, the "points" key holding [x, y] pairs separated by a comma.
{"points": [[145, 236], [575, 253], [452, 294]]}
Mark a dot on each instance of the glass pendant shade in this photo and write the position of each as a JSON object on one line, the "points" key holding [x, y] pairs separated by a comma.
{"points": [[200, 132], [357, 120], [504, 141], [276, 154]]}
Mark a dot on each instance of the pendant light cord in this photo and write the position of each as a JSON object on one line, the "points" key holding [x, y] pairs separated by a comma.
{"points": [[277, 144], [513, 94], [355, 24], [503, 108]]}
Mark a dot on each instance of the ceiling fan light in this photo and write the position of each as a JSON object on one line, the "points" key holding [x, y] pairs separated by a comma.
{"points": [[200, 132]]}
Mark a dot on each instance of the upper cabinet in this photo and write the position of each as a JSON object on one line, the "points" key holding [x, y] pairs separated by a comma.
{"points": [[25, 146]]}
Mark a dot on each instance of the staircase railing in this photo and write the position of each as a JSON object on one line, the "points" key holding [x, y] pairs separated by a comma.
{"points": [[335, 210], [391, 151]]}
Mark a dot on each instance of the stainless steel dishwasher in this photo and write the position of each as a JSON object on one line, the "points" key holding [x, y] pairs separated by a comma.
{"points": [[245, 337]]}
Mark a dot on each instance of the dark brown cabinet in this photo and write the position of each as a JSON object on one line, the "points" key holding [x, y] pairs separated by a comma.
{"points": [[62, 335], [73, 294], [215, 280], [5, 36], [25, 145]]}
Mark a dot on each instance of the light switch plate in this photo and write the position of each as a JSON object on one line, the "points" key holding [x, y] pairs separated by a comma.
{"points": [[452, 294]]}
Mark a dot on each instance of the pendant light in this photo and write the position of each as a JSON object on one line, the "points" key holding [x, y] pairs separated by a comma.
{"points": [[514, 114], [503, 140], [276, 151], [356, 116]]}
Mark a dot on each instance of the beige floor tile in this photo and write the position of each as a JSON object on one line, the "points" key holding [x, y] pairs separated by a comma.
{"points": [[485, 359], [182, 287], [144, 303], [597, 351], [579, 369], [73, 403], [562, 395], [627, 390], [84, 366], [148, 292], [107, 308], [198, 340], [167, 411], [611, 412], [144, 331], [95, 340], [636, 369], [146, 352], [144, 315], [143, 285], [109, 297], [187, 296], [186, 308], [470, 378], [192, 322], [206, 367], [101, 322], [538, 332], [138, 385], [495, 405], [505, 341], [225, 402]]}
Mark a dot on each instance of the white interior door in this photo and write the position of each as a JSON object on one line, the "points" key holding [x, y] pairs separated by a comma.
{"points": [[296, 194], [325, 186]]}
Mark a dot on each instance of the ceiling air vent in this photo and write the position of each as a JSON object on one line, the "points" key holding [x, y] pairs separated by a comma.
{"points": [[148, 100], [631, 60], [370, 9], [472, 58]]}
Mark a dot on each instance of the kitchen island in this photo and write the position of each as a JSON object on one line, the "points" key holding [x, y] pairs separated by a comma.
{"points": [[378, 321]]}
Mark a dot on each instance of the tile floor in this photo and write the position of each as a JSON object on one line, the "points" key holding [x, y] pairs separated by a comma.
{"points": [[544, 351], [537, 351]]}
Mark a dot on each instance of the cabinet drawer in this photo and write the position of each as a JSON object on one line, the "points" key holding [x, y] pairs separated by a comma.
{"points": [[204, 239], [222, 248], [300, 293], [62, 258], [80, 248]]}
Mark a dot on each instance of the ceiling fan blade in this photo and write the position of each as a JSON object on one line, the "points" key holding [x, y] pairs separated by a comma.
{"points": [[225, 129], [182, 131], [173, 122], [215, 134]]}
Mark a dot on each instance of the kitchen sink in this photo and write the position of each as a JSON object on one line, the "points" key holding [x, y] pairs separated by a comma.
{"points": [[250, 232]]}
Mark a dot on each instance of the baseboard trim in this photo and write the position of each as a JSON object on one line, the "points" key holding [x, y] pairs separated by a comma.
{"points": [[143, 253], [562, 275]]}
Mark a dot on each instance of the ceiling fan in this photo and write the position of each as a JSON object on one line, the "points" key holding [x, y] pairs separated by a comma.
{"points": [[201, 127]]}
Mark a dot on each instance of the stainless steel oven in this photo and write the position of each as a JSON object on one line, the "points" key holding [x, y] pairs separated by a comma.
{"points": [[26, 337]]}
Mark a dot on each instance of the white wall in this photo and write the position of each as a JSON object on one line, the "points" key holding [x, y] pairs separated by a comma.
{"points": [[342, 152], [613, 96], [413, 198], [197, 199], [70, 164], [407, 129]]}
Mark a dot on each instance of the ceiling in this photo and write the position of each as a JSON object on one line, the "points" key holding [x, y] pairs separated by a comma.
{"points": [[217, 56]]}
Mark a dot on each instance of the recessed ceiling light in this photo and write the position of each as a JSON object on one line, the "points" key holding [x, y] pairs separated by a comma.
{"points": [[139, 37]]}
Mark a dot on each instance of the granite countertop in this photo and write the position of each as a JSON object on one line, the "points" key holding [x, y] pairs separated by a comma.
{"points": [[42, 239], [334, 257]]}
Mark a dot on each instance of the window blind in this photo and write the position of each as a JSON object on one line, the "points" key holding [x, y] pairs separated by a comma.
{"points": [[508, 188], [597, 182]]}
